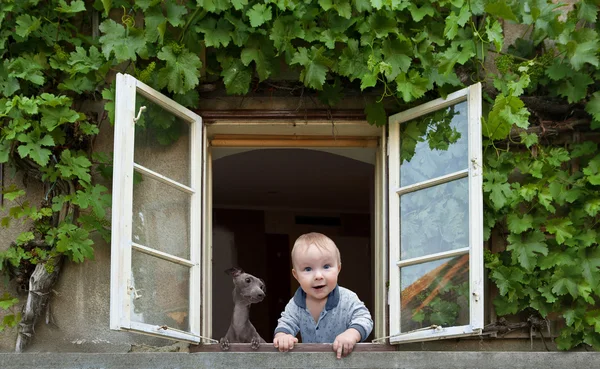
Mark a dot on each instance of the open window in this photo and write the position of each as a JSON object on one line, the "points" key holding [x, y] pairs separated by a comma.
{"points": [[436, 219], [164, 243], [156, 214]]}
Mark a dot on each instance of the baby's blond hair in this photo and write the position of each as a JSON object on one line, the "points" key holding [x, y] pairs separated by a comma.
{"points": [[318, 239]]}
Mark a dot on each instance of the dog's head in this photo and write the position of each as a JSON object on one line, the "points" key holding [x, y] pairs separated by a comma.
{"points": [[247, 286]]}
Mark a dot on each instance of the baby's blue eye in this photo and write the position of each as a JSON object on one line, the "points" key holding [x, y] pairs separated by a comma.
{"points": [[307, 269], [327, 266]]}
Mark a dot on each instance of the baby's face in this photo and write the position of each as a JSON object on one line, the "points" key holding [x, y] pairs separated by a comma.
{"points": [[316, 270]]}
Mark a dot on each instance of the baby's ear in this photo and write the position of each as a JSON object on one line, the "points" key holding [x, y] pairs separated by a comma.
{"points": [[234, 272]]}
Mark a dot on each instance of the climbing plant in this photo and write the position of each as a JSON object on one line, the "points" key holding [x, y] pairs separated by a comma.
{"points": [[541, 195]]}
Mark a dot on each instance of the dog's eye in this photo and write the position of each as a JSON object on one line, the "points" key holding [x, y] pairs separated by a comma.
{"points": [[248, 280]]}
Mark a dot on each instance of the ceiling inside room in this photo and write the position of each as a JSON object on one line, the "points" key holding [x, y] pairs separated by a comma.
{"points": [[294, 179]]}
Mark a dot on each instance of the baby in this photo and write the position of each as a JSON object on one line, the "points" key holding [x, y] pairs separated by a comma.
{"points": [[321, 310]]}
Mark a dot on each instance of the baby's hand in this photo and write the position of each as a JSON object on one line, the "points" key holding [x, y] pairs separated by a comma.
{"points": [[344, 343], [284, 342]]}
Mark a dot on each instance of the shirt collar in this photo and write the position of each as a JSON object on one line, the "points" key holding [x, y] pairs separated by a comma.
{"points": [[332, 299]]}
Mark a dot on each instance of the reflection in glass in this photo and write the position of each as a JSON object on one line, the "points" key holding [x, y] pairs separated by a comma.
{"points": [[435, 293], [161, 217], [435, 219], [160, 294], [434, 145], [162, 139]]}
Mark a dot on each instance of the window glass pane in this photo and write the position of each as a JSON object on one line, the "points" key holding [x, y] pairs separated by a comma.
{"points": [[436, 292], [161, 294], [162, 142], [434, 145], [435, 219], [161, 217]]}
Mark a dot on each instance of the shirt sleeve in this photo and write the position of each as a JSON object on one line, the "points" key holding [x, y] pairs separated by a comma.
{"points": [[288, 323], [360, 318]]}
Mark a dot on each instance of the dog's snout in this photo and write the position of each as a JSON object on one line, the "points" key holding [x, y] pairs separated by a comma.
{"points": [[261, 295]]}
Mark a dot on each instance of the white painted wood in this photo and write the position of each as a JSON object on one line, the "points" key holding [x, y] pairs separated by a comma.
{"points": [[476, 269], [122, 199], [207, 242], [380, 232], [161, 255], [472, 95], [160, 331], [394, 224], [127, 89], [198, 151], [432, 182], [166, 180], [434, 334], [433, 257], [429, 107]]}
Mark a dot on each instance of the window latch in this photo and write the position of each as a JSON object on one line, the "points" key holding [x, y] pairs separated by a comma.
{"points": [[135, 293], [142, 108]]}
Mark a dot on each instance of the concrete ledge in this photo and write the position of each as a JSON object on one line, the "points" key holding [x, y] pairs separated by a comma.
{"points": [[217, 360]]}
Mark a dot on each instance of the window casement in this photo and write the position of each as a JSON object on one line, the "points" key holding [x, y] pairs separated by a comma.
{"points": [[429, 243], [436, 219], [156, 213]]}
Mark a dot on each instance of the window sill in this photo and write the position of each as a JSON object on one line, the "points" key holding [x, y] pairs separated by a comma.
{"points": [[299, 347]]}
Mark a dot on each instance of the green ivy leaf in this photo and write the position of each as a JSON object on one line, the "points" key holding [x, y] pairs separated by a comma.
{"points": [[76, 6], [215, 32], [593, 107], [353, 61], [592, 171], [259, 14], [182, 70], [7, 301], [376, 114], [562, 228], [584, 52], [285, 30], [27, 24], [396, 54], [72, 241], [526, 249], [517, 224], [500, 9], [411, 86], [563, 283], [419, 13], [589, 260], [316, 66], [587, 11], [236, 76], [175, 13], [27, 67], [96, 197], [123, 42], [493, 30], [260, 50], [32, 147], [74, 166], [575, 87], [53, 117], [332, 93], [500, 191], [155, 25]]}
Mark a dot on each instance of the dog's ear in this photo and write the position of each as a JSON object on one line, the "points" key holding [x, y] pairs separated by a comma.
{"points": [[234, 272]]}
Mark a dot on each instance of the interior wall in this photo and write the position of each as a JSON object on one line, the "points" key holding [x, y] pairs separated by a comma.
{"points": [[256, 232]]}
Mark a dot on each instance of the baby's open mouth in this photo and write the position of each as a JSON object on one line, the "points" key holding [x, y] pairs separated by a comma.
{"points": [[318, 287]]}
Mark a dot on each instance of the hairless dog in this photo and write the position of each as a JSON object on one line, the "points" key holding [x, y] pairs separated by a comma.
{"points": [[247, 290]]}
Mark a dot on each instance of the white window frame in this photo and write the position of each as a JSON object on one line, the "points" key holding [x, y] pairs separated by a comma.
{"points": [[121, 291], [472, 95]]}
